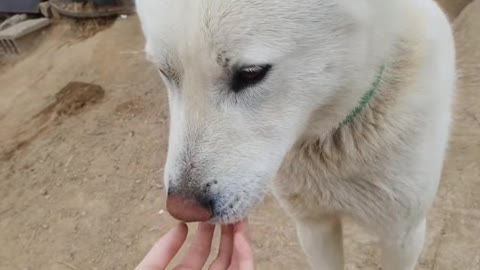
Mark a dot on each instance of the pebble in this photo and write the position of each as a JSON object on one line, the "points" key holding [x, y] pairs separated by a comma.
{"points": [[45, 226]]}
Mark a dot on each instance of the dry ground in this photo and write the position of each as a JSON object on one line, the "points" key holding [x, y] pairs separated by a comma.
{"points": [[80, 174]]}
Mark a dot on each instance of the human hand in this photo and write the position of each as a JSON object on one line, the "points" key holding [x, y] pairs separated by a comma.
{"points": [[235, 252]]}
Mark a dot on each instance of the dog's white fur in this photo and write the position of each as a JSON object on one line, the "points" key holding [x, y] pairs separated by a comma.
{"points": [[382, 169]]}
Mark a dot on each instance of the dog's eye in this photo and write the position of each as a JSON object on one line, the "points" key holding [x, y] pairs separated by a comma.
{"points": [[163, 73], [249, 76], [167, 75]]}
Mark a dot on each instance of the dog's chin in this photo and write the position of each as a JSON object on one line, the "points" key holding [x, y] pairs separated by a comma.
{"points": [[228, 219], [235, 208], [233, 215]]}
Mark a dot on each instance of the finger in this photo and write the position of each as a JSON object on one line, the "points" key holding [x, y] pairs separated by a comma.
{"points": [[242, 251], [199, 251], [165, 249], [225, 251]]}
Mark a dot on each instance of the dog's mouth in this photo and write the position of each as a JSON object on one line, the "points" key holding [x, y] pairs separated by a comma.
{"points": [[230, 211], [227, 219]]}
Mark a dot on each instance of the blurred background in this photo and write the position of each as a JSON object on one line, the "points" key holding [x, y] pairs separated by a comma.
{"points": [[83, 139]]}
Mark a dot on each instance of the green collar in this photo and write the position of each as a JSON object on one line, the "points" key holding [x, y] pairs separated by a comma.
{"points": [[365, 99]]}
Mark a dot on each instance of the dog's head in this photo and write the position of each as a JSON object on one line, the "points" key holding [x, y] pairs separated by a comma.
{"points": [[243, 79]]}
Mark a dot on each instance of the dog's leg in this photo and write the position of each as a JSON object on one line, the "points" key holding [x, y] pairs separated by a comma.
{"points": [[322, 242], [402, 253]]}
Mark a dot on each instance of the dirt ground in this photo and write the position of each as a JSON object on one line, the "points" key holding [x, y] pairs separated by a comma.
{"points": [[81, 166]]}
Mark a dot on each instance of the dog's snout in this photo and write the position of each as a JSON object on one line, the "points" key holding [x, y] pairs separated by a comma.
{"points": [[188, 208]]}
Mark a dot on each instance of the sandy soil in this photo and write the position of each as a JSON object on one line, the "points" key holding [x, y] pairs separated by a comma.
{"points": [[453, 7], [81, 174]]}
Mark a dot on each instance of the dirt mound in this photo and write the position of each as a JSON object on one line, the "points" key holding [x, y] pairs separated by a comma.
{"points": [[89, 9], [75, 96], [86, 28], [71, 100]]}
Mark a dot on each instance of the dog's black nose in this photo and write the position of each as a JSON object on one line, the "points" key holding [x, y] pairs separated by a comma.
{"points": [[189, 208]]}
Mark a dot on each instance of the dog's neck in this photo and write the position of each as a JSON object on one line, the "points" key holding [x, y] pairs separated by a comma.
{"points": [[365, 99], [372, 129], [385, 27]]}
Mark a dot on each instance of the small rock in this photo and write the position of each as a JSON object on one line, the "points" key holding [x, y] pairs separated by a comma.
{"points": [[44, 192], [123, 16], [138, 182], [159, 186], [161, 212], [132, 133], [45, 226], [83, 213]]}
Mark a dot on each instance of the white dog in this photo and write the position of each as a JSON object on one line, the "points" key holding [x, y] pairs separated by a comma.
{"points": [[344, 105]]}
